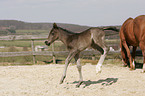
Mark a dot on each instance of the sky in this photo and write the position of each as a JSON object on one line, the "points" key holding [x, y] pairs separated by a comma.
{"points": [[83, 12]]}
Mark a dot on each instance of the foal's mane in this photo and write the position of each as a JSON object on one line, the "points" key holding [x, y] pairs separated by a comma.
{"points": [[102, 28], [70, 32]]}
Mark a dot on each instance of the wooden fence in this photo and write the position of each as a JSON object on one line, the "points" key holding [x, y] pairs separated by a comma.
{"points": [[34, 53]]}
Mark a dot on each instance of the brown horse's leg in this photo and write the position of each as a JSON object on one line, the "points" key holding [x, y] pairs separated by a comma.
{"points": [[143, 65], [143, 52], [124, 55], [133, 55], [77, 59], [128, 54], [142, 46], [67, 61]]}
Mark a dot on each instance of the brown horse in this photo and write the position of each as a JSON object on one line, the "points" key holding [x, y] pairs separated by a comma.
{"points": [[77, 42], [132, 33]]}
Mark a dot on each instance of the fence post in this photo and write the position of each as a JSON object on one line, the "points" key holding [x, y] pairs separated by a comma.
{"points": [[32, 45], [54, 60], [93, 57]]}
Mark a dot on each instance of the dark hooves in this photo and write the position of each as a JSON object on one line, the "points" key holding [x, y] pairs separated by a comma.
{"points": [[124, 65], [78, 85], [62, 79], [131, 69]]}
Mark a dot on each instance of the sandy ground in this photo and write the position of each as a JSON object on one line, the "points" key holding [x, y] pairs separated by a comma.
{"points": [[43, 80]]}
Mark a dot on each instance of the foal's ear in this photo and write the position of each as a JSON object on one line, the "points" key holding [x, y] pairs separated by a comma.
{"points": [[54, 25]]}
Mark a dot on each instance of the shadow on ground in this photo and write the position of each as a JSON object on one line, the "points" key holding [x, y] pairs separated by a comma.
{"points": [[106, 82], [138, 65], [51, 61]]}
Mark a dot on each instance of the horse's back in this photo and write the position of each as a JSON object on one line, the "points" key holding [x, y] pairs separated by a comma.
{"points": [[126, 28], [139, 27], [126, 32], [133, 30]]}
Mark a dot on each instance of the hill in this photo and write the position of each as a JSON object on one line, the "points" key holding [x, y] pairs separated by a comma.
{"points": [[8, 27], [20, 25]]}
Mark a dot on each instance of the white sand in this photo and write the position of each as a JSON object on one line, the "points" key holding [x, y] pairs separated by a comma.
{"points": [[43, 80]]}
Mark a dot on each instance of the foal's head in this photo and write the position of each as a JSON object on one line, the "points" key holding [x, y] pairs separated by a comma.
{"points": [[53, 35]]}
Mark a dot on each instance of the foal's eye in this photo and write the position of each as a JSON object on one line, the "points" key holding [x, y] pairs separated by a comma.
{"points": [[52, 33]]}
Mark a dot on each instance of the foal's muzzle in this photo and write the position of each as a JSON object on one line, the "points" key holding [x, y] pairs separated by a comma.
{"points": [[47, 43]]}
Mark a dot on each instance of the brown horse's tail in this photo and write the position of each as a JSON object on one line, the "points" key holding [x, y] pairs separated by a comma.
{"points": [[111, 28]]}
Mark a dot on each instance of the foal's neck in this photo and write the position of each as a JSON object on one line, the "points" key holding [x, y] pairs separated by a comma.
{"points": [[64, 35]]}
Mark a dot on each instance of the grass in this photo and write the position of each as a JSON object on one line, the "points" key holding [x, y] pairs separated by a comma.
{"points": [[24, 60], [32, 32], [15, 43], [59, 46], [42, 60], [113, 41]]}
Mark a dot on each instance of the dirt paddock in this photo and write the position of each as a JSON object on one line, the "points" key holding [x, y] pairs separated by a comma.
{"points": [[43, 80]]}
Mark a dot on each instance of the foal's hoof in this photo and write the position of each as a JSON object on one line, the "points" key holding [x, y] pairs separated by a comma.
{"points": [[62, 79], [98, 69], [78, 85], [60, 82]]}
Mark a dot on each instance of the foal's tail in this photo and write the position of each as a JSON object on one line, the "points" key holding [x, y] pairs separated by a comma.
{"points": [[111, 28]]}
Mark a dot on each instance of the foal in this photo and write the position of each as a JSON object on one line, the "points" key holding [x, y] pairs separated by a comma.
{"points": [[77, 42]]}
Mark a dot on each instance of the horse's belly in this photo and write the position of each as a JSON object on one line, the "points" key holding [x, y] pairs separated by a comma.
{"points": [[132, 42], [130, 39]]}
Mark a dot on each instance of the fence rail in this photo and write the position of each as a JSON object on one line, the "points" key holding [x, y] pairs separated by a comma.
{"points": [[27, 53], [23, 37], [48, 53], [34, 53]]}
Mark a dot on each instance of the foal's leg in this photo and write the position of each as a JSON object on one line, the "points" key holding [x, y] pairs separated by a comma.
{"points": [[128, 54], [67, 61], [101, 60], [133, 56], [77, 59], [102, 48]]}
